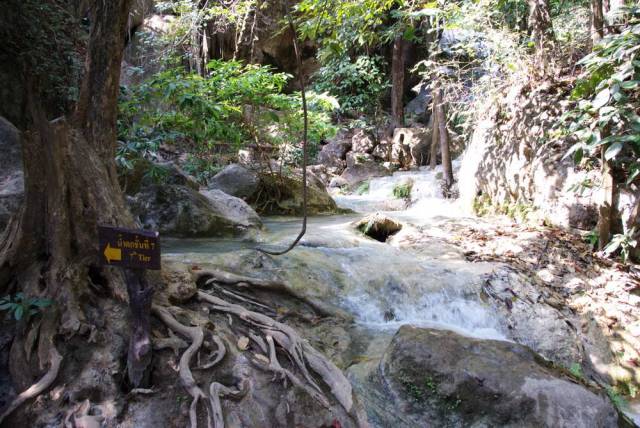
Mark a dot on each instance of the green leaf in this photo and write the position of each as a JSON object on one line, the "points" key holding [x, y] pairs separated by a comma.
{"points": [[613, 150], [601, 99], [18, 313]]}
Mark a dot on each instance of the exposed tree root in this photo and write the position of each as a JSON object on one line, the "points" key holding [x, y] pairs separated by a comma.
{"points": [[296, 347], [222, 277], [220, 352], [55, 359], [196, 335], [218, 391]]}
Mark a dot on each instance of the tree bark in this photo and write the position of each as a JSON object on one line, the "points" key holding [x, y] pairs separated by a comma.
{"points": [[50, 249], [597, 21], [447, 168], [397, 83], [435, 134], [606, 203], [541, 30]]}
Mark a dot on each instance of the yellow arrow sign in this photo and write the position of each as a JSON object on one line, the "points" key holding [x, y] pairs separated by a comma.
{"points": [[112, 254]]}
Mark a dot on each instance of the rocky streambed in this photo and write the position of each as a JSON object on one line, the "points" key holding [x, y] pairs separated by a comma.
{"points": [[426, 336]]}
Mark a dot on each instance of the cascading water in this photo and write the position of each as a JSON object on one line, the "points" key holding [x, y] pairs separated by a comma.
{"points": [[382, 285]]}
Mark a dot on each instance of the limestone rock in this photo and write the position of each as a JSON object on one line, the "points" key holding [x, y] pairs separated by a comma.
{"points": [[11, 174], [178, 281], [236, 180], [289, 190], [411, 146], [383, 151], [333, 154], [361, 167], [176, 210], [452, 380], [362, 143], [378, 226]]}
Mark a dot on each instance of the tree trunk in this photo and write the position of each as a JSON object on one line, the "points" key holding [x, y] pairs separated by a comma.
{"points": [[397, 83], [50, 249], [435, 134], [447, 168], [597, 21], [606, 203], [541, 30]]}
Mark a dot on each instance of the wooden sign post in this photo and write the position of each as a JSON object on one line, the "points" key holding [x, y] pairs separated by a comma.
{"points": [[135, 251]]}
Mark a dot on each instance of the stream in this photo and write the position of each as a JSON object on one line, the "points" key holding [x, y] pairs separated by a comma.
{"points": [[382, 285]]}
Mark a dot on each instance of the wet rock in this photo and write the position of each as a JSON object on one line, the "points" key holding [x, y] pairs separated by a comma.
{"points": [[236, 180], [176, 210], [410, 147], [362, 142], [363, 167], [11, 174], [338, 182], [378, 226], [452, 380]]}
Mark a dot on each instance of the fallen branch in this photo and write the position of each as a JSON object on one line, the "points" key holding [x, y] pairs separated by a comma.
{"points": [[55, 359]]}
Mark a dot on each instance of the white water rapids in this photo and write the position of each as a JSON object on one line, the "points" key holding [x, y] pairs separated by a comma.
{"points": [[382, 285]]}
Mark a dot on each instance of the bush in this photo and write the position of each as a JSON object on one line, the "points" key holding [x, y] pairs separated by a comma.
{"points": [[357, 84], [403, 190], [216, 115]]}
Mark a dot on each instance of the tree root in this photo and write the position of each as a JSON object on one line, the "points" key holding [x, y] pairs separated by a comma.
{"points": [[196, 335], [222, 277], [55, 359], [297, 348], [218, 391]]}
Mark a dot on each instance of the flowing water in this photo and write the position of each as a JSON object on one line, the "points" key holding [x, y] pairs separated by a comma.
{"points": [[382, 285]]}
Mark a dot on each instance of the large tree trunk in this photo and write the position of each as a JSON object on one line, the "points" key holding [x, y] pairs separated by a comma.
{"points": [[597, 21], [50, 249], [397, 83], [541, 30]]}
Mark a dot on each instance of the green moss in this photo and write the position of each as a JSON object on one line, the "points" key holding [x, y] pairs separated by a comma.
{"points": [[363, 188], [403, 190]]}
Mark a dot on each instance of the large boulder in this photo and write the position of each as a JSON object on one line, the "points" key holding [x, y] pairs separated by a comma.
{"points": [[332, 155], [283, 195], [11, 175], [236, 180], [410, 147], [362, 168], [417, 109], [181, 211], [452, 380]]}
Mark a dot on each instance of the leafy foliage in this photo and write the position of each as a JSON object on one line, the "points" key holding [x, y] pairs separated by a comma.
{"points": [[607, 100], [22, 306], [403, 190], [208, 117], [623, 242], [358, 85]]}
